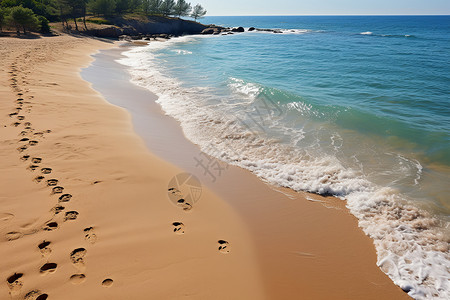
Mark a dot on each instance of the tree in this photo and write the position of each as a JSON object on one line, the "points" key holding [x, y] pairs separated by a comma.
{"points": [[103, 7], [73, 9], [43, 24], [182, 8], [167, 7], [3, 14], [154, 7], [23, 18], [134, 5], [198, 12], [146, 6], [122, 6]]}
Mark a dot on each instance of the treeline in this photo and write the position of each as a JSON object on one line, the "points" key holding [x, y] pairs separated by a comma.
{"points": [[35, 14]]}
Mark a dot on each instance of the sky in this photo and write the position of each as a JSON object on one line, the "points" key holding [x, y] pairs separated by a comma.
{"points": [[324, 7]]}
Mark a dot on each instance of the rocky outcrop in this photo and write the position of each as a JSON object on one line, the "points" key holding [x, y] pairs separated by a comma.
{"points": [[238, 29], [269, 30], [213, 30], [162, 27], [150, 26], [159, 25], [108, 32]]}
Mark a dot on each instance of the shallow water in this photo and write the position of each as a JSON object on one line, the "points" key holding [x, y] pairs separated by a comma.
{"points": [[356, 107]]}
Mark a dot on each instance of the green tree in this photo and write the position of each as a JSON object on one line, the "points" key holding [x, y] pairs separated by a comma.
{"points": [[155, 7], [3, 15], [46, 8], [134, 5], [167, 7], [122, 6], [43, 24], [103, 7], [73, 9], [23, 18], [145, 6], [198, 12], [182, 8]]}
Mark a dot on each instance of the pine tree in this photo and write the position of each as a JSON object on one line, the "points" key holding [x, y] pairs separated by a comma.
{"points": [[23, 18], [167, 7], [182, 8], [198, 12]]}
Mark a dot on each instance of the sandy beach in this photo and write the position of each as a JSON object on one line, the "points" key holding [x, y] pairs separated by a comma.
{"points": [[87, 210]]}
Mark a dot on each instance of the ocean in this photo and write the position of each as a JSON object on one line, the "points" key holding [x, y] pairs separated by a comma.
{"points": [[352, 106]]}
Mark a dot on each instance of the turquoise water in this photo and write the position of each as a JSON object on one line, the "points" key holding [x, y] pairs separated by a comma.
{"points": [[356, 107]]}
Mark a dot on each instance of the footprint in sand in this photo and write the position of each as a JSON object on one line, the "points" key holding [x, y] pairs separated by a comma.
{"points": [[32, 167], [50, 226], [13, 235], [184, 205], [70, 216], [57, 209], [89, 235], [35, 295], [178, 227], [20, 118], [52, 182], [36, 160], [57, 190], [65, 198], [27, 124], [224, 246], [46, 170], [33, 143], [107, 282], [77, 257], [15, 124], [48, 268], [13, 114], [24, 140], [44, 248], [25, 157], [22, 148], [15, 283], [77, 278], [38, 179], [23, 133]]}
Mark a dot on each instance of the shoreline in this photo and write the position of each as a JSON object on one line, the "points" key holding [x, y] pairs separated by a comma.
{"points": [[281, 275]]}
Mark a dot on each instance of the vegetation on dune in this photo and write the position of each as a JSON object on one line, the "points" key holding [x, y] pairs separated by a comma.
{"points": [[34, 15]]}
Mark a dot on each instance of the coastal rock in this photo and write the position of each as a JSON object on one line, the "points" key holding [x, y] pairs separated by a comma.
{"points": [[212, 30], [113, 32], [124, 37], [238, 29], [208, 31], [251, 29]]}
